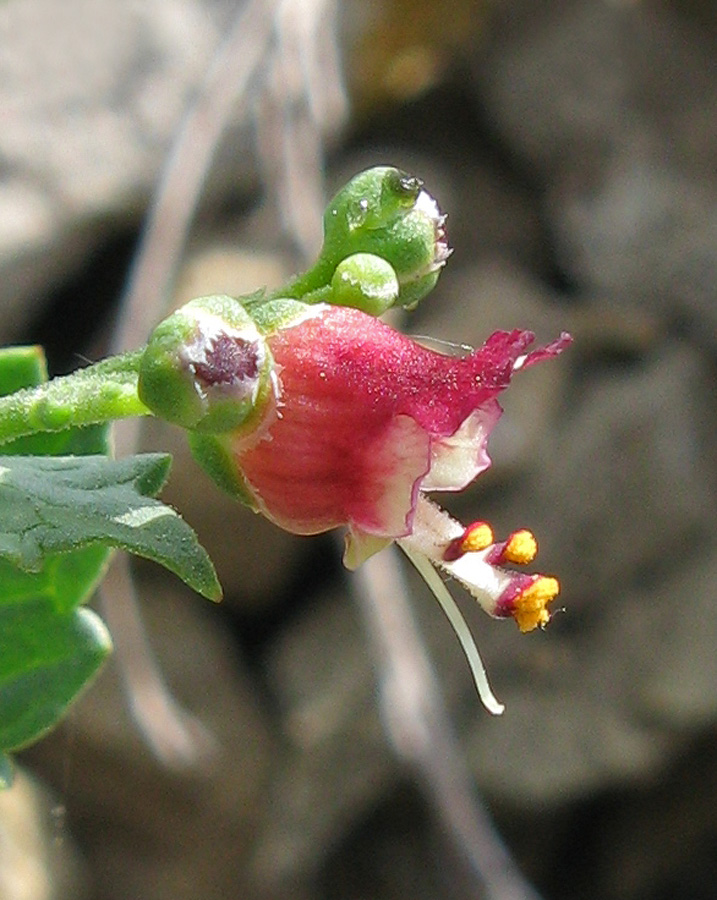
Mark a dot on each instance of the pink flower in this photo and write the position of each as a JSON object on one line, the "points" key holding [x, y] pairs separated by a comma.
{"points": [[320, 416], [365, 423]]}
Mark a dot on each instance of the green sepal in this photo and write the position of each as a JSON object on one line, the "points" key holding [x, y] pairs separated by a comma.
{"points": [[214, 454], [163, 385], [277, 313]]}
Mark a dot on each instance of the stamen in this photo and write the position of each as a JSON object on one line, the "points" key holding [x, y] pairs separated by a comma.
{"points": [[455, 617], [521, 548], [529, 607], [476, 537]]}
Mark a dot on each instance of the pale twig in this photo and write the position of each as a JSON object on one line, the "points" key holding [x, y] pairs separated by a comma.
{"points": [[170, 730], [177, 737], [256, 45], [236, 63], [303, 101], [416, 720]]}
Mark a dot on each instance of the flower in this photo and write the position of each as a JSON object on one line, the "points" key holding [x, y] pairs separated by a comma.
{"points": [[306, 407], [365, 423], [207, 367]]}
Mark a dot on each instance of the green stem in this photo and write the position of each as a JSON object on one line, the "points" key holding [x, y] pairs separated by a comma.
{"points": [[99, 393], [311, 286]]}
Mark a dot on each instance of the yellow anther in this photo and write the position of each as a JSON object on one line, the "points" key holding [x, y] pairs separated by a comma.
{"points": [[477, 537], [521, 547], [529, 610]]}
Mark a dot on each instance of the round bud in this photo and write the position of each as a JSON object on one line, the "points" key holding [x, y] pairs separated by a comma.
{"points": [[365, 282], [387, 213], [207, 368]]}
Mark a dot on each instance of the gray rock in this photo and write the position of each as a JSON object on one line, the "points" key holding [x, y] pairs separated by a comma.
{"points": [[554, 746], [38, 859], [336, 765], [668, 631], [646, 233], [571, 86], [627, 480], [611, 109], [91, 93]]}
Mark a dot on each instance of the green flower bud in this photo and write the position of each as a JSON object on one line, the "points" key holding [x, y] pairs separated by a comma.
{"points": [[208, 368], [365, 282], [385, 213], [371, 200]]}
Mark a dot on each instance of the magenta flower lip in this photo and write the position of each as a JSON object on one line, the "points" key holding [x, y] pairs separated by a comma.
{"points": [[367, 418]]}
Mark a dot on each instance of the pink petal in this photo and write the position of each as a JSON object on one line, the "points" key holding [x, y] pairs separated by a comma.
{"points": [[458, 459], [363, 413]]}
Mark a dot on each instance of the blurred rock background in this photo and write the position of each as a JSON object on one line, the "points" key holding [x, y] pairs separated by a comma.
{"points": [[574, 145]]}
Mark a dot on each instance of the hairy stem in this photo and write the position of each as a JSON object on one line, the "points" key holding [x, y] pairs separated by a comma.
{"points": [[101, 392]]}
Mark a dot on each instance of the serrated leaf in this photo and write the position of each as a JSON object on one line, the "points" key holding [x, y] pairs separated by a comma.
{"points": [[47, 597], [67, 578], [54, 504], [47, 659]]}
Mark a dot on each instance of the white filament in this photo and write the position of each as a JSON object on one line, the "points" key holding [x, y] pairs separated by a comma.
{"points": [[455, 617]]}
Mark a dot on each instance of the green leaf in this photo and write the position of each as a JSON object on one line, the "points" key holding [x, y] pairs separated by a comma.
{"points": [[6, 771], [36, 690], [21, 367], [47, 659], [54, 504], [65, 579]]}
